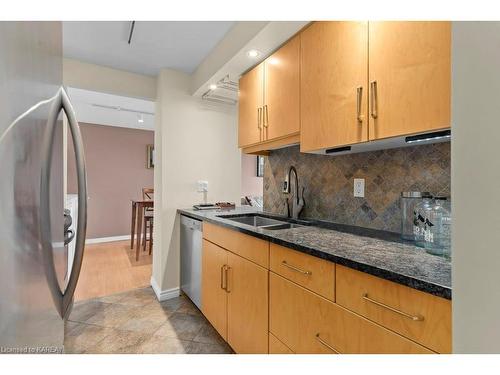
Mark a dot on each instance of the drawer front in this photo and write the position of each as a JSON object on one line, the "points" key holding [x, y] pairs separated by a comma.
{"points": [[312, 273], [251, 248], [308, 323], [277, 347], [414, 314]]}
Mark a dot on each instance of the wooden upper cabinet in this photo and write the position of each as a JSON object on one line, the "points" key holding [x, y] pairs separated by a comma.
{"points": [[281, 98], [251, 97], [247, 306], [213, 296], [333, 66], [410, 63]]}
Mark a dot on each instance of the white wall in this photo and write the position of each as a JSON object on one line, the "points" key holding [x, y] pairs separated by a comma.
{"points": [[99, 78], [250, 183], [194, 140], [475, 180]]}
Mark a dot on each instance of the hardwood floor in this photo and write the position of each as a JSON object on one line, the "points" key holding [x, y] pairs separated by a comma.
{"points": [[110, 268]]}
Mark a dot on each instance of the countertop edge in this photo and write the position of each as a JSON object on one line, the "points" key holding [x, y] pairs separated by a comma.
{"points": [[421, 285]]}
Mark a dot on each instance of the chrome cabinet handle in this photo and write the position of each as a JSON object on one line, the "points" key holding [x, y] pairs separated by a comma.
{"points": [[226, 269], [359, 92], [324, 343], [259, 121], [222, 277], [406, 315], [374, 99], [62, 299], [284, 263], [266, 117]]}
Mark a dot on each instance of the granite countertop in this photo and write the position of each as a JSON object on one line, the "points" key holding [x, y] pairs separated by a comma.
{"points": [[378, 253]]}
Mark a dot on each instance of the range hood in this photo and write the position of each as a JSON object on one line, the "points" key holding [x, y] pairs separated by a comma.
{"points": [[383, 144]]}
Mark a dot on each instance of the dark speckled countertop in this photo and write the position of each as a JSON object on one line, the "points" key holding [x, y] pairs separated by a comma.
{"points": [[378, 253]]}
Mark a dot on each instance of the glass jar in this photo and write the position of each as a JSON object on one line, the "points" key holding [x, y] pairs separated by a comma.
{"points": [[409, 199], [438, 233], [420, 214]]}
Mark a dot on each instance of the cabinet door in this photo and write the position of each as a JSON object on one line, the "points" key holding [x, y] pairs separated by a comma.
{"points": [[251, 91], [213, 296], [282, 89], [247, 306], [333, 66], [410, 63], [308, 323]]}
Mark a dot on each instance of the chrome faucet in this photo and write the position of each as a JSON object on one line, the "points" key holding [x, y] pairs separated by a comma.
{"points": [[298, 200]]}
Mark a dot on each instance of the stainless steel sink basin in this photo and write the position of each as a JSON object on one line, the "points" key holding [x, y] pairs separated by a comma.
{"points": [[256, 221], [261, 222]]}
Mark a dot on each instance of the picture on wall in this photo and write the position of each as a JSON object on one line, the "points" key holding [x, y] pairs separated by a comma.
{"points": [[150, 156]]}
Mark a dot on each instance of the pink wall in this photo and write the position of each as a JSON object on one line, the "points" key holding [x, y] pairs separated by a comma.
{"points": [[116, 173], [250, 183]]}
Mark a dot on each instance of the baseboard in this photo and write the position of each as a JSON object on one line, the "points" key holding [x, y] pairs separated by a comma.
{"points": [[110, 239], [163, 295], [107, 239]]}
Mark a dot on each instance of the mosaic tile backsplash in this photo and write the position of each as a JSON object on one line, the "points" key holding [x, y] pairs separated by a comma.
{"points": [[329, 182]]}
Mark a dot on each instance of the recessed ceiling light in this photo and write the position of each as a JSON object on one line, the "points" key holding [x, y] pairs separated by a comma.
{"points": [[253, 53], [213, 86]]}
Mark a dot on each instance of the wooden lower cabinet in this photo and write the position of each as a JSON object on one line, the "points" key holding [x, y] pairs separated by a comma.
{"points": [[213, 296], [277, 347], [308, 323], [235, 298], [419, 316], [247, 306]]}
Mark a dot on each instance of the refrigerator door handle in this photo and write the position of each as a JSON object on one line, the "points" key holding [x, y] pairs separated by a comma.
{"points": [[62, 299]]}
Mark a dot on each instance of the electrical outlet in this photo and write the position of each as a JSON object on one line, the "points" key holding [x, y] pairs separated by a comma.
{"points": [[202, 186], [359, 187]]}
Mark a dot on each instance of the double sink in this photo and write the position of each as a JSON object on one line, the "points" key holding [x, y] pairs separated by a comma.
{"points": [[263, 222]]}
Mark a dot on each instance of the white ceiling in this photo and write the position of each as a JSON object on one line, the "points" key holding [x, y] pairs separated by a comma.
{"points": [[96, 108], [179, 45]]}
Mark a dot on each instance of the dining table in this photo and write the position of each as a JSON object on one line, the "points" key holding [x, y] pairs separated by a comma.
{"points": [[138, 207]]}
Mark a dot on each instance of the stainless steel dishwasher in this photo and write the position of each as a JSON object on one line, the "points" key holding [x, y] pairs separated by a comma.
{"points": [[191, 243]]}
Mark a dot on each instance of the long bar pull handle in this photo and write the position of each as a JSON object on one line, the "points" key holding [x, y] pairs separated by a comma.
{"points": [[222, 277], [284, 263], [266, 117], [259, 121], [324, 343], [406, 315], [359, 92], [374, 99], [227, 268]]}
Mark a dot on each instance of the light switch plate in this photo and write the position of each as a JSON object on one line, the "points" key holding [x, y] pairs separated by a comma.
{"points": [[359, 187], [202, 186]]}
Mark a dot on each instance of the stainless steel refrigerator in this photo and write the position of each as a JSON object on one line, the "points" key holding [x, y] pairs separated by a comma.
{"points": [[36, 288]]}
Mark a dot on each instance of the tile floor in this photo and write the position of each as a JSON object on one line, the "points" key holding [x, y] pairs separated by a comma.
{"points": [[135, 322]]}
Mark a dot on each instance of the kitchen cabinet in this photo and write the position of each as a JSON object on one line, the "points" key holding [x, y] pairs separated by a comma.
{"points": [[310, 324], [266, 298], [315, 274], [410, 77], [247, 306], [334, 84], [251, 99], [235, 289], [281, 87], [269, 101], [367, 81], [213, 294], [419, 316]]}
